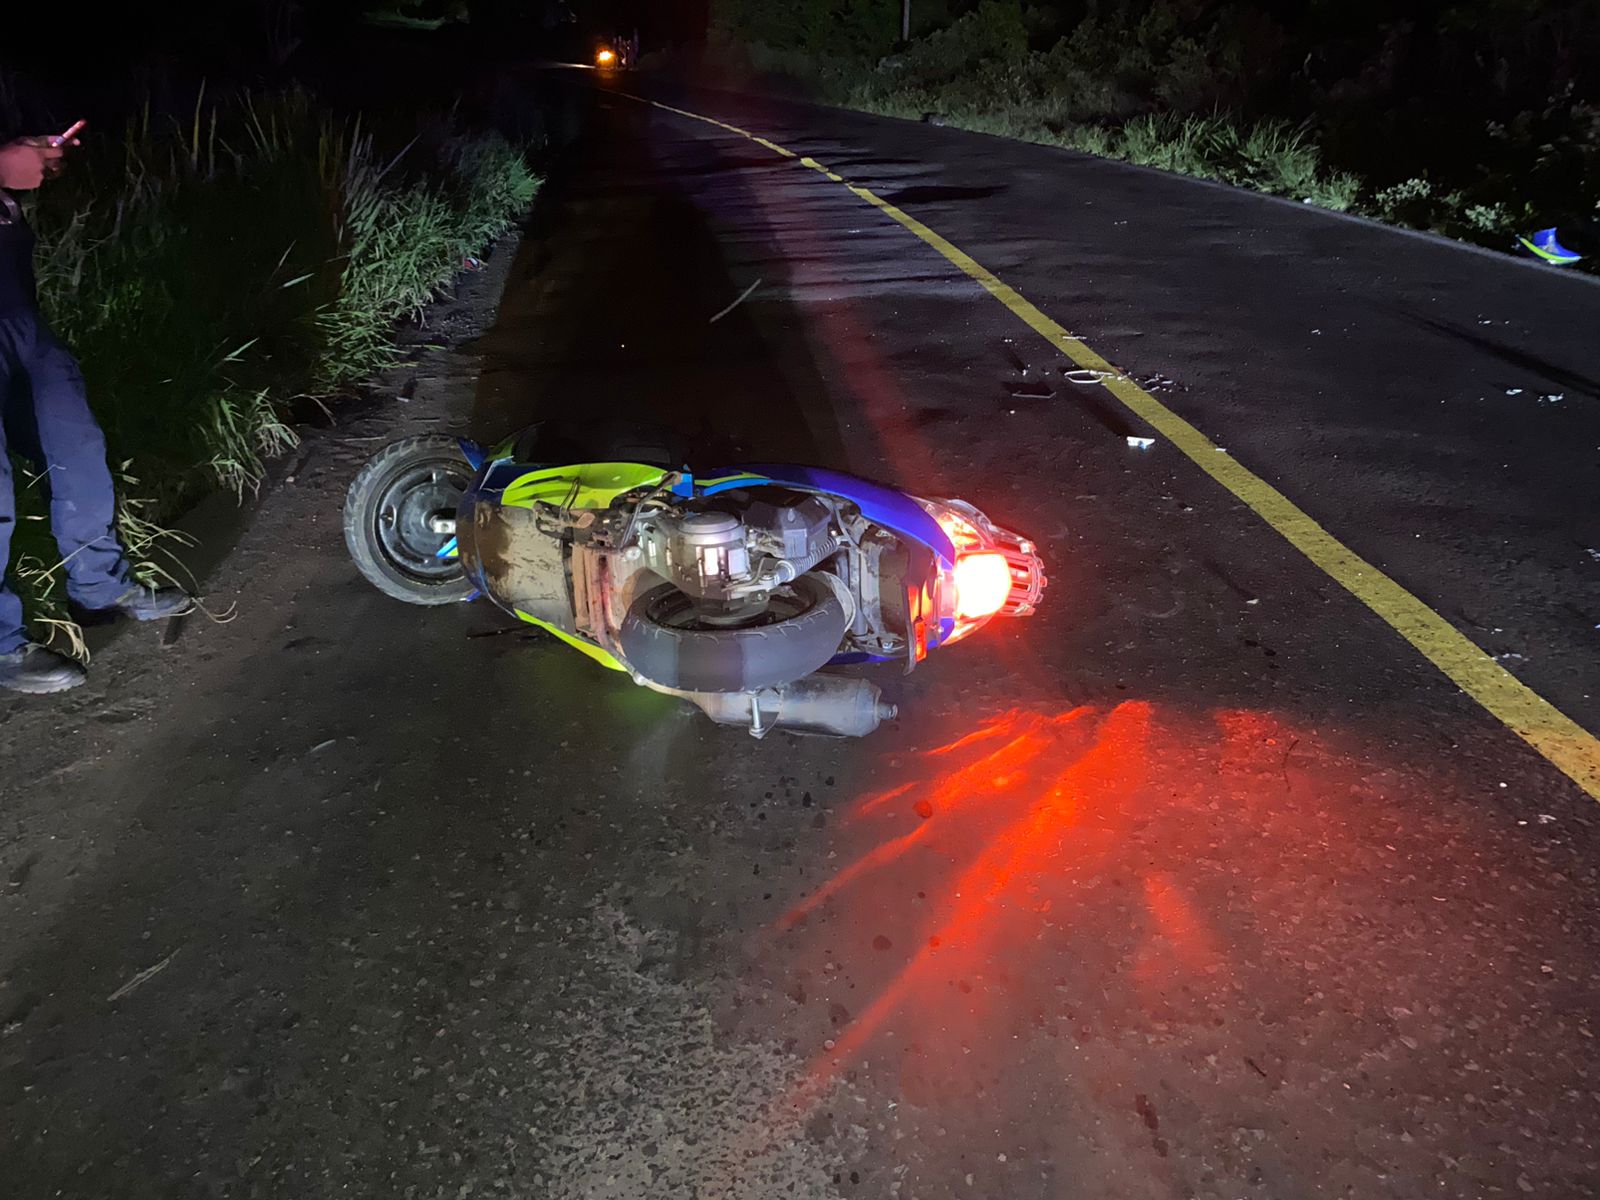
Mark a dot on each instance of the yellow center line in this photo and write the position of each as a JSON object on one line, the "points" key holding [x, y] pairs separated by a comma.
{"points": [[1572, 749]]}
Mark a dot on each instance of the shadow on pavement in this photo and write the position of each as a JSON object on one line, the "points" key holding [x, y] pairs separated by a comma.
{"points": [[1566, 377], [611, 318]]}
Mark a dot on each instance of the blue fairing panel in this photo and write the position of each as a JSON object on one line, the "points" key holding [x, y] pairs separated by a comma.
{"points": [[886, 506]]}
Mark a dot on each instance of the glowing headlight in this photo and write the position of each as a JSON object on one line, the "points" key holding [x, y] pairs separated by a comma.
{"points": [[995, 572], [983, 584]]}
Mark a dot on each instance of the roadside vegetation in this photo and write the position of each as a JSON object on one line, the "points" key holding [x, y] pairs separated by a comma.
{"points": [[217, 275], [1478, 119], [425, 15]]}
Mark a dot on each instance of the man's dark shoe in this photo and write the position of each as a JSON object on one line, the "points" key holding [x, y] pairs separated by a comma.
{"points": [[38, 671], [152, 604]]}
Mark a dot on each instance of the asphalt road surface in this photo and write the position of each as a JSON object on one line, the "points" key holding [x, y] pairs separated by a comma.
{"points": [[1202, 882]]}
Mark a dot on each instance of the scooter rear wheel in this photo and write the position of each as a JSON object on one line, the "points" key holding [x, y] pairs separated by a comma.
{"points": [[393, 515], [662, 639]]}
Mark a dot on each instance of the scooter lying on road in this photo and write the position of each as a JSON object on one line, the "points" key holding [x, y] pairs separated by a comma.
{"points": [[730, 589]]}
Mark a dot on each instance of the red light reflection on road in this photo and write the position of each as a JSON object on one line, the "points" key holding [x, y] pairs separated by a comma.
{"points": [[1026, 737], [1184, 941], [1065, 922], [1028, 796], [1031, 860]]}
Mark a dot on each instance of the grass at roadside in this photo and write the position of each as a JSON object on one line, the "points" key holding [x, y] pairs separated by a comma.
{"points": [[212, 276], [1479, 130], [1015, 98], [1268, 156]]}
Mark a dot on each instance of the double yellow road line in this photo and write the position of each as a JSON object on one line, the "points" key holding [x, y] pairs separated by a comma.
{"points": [[1572, 749]]}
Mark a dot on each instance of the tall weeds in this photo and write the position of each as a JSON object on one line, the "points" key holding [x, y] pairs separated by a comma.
{"points": [[1478, 125], [211, 273], [980, 74]]}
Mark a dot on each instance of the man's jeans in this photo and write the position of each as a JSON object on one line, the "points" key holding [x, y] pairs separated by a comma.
{"points": [[47, 422]]}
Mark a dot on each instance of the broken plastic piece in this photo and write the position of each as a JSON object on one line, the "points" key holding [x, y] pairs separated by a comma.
{"points": [[740, 299], [1547, 246], [1088, 375], [1033, 391], [1141, 443]]}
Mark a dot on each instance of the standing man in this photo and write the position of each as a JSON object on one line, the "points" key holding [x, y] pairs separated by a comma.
{"points": [[46, 420]]}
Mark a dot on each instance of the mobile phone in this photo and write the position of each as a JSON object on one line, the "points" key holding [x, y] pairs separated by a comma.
{"points": [[72, 131]]}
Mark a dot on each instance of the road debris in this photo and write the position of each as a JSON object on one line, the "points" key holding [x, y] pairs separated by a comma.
{"points": [[742, 297], [1087, 376], [1034, 391], [143, 977], [1546, 245], [1141, 443]]}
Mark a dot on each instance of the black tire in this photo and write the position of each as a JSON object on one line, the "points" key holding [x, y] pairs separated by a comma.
{"points": [[803, 633], [385, 512]]}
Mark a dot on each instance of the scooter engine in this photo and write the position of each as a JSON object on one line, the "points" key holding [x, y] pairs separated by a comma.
{"points": [[707, 553], [737, 554]]}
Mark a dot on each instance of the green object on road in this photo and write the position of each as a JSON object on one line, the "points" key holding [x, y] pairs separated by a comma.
{"points": [[1546, 245]]}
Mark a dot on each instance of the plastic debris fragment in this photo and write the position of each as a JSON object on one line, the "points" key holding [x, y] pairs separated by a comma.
{"points": [[1030, 390], [1141, 443], [1547, 246], [1088, 376], [743, 296]]}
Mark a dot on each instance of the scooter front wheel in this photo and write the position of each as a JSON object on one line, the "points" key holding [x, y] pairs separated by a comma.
{"points": [[400, 513]]}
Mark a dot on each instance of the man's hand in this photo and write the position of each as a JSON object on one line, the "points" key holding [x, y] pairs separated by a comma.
{"points": [[28, 162]]}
